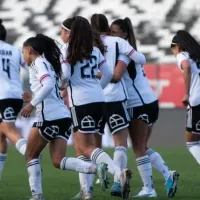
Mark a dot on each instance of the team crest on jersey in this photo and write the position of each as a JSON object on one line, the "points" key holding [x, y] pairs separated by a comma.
{"points": [[198, 126], [144, 117], [51, 131], [9, 113], [116, 120], [87, 122]]}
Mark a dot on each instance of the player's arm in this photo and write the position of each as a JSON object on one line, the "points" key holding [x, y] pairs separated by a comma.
{"points": [[46, 82], [127, 49], [106, 72], [66, 69], [120, 68], [185, 65]]}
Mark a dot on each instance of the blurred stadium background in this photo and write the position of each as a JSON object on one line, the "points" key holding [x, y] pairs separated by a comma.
{"points": [[155, 23]]}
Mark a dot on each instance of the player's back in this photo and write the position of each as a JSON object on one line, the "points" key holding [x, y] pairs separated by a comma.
{"points": [[113, 91], [10, 61], [84, 86]]}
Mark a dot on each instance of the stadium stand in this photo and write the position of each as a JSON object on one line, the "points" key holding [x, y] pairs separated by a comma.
{"points": [[155, 21]]}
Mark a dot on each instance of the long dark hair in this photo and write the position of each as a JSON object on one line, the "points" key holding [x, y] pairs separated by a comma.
{"points": [[47, 46], [3, 32], [187, 43], [99, 23], [126, 26], [68, 22], [80, 40], [97, 42]]}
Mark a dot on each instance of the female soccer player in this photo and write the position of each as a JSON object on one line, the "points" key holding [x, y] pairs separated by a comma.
{"points": [[53, 123], [10, 96], [187, 52], [86, 96], [143, 109]]}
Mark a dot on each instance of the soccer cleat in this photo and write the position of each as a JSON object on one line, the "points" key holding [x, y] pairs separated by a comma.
{"points": [[37, 197], [84, 196], [171, 184], [97, 181], [125, 183], [144, 193], [102, 173], [116, 190]]}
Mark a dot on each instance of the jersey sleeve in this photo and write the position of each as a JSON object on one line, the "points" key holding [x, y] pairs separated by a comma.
{"points": [[127, 49], [180, 58], [124, 59], [66, 69], [42, 71]]}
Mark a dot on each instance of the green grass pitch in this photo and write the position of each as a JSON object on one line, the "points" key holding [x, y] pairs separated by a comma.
{"points": [[62, 185]]}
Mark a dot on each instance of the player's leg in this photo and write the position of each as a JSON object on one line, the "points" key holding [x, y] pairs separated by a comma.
{"points": [[118, 122], [9, 109], [138, 131], [193, 132], [35, 144], [170, 176], [84, 137], [3, 152]]}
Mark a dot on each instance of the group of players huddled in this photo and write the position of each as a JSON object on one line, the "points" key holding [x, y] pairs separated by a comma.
{"points": [[101, 71]]}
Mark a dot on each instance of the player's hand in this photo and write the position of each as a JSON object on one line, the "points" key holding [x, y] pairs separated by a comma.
{"points": [[185, 100], [27, 110], [26, 97]]}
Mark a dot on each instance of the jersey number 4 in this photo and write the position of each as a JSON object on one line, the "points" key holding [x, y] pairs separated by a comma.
{"points": [[6, 66]]}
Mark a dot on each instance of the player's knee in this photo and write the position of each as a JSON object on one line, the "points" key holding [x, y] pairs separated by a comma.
{"points": [[2, 137]]}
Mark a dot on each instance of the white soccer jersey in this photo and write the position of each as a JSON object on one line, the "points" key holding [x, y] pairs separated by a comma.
{"points": [[52, 107], [115, 46], [137, 85], [194, 96], [83, 85], [10, 62]]}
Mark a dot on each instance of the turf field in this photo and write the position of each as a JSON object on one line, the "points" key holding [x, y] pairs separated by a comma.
{"points": [[61, 185]]}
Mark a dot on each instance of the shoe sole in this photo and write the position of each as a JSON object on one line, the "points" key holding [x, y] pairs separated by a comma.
{"points": [[174, 188], [104, 179], [126, 190]]}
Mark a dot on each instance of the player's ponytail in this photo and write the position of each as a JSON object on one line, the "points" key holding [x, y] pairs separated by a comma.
{"points": [[80, 41], [99, 23], [130, 33], [97, 42], [126, 26], [3, 32], [187, 43], [46, 46]]}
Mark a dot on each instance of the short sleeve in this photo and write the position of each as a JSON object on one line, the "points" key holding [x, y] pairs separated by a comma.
{"points": [[125, 47], [181, 57], [42, 70], [124, 59]]}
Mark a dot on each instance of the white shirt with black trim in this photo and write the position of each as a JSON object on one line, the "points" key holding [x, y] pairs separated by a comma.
{"points": [[137, 85], [194, 96], [117, 92], [10, 62], [84, 86], [49, 106]]}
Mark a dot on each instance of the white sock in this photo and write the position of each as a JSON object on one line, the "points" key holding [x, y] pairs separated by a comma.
{"points": [[2, 162], [86, 180], [194, 148], [35, 177], [21, 146], [145, 170], [78, 165], [120, 158], [99, 156], [158, 163]]}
